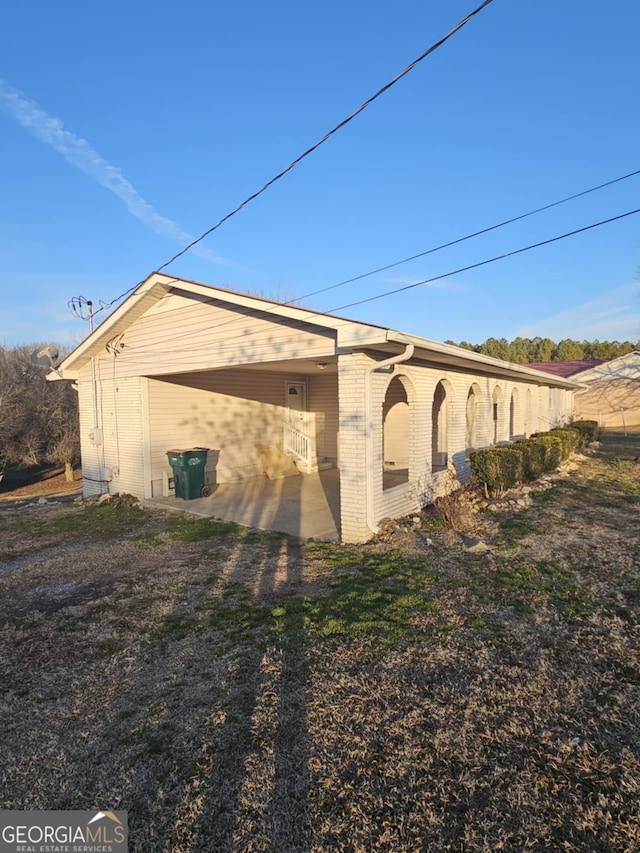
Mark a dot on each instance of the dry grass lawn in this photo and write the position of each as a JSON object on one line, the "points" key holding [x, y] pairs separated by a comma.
{"points": [[241, 692]]}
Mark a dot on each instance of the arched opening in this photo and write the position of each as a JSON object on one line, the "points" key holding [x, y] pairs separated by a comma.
{"points": [[497, 414], [440, 428], [514, 425], [395, 435], [472, 418]]}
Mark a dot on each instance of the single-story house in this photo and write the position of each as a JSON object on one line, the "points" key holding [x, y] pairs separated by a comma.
{"points": [[610, 392], [182, 365]]}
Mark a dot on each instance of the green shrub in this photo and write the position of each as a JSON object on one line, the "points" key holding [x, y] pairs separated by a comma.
{"points": [[501, 468], [558, 446], [569, 439], [588, 431], [498, 468], [533, 454]]}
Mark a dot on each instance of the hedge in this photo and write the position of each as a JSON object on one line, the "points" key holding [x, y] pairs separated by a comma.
{"points": [[589, 431], [565, 439], [503, 467], [498, 468]]}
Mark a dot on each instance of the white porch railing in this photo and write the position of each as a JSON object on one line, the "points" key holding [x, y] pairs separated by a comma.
{"points": [[300, 445]]}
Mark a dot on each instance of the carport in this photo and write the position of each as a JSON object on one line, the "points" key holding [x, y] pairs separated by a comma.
{"points": [[305, 505]]}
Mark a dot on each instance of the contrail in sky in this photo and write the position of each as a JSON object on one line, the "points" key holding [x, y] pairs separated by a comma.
{"points": [[80, 154]]}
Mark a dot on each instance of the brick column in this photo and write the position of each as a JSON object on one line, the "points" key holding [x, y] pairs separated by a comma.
{"points": [[352, 452]]}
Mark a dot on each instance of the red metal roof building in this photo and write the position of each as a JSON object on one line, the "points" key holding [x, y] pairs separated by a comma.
{"points": [[567, 368]]}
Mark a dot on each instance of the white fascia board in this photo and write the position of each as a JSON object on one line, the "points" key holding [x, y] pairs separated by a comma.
{"points": [[353, 335], [463, 357]]}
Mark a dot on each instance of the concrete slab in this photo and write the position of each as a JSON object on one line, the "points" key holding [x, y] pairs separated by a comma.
{"points": [[307, 505]]}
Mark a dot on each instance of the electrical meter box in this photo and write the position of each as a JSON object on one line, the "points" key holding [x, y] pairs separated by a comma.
{"points": [[95, 435]]}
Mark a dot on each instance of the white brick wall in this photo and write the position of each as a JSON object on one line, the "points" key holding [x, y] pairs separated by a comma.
{"points": [[544, 411], [351, 448]]}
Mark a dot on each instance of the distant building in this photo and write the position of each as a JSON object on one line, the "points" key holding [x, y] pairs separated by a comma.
{"points": [[612, 392]]}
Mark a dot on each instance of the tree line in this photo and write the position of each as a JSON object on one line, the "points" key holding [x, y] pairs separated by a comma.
{"points": [[530, 350], [38, 418]]}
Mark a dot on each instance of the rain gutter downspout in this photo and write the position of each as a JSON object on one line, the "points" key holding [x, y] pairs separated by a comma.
{"points": [[94, 391], [368, 444]]}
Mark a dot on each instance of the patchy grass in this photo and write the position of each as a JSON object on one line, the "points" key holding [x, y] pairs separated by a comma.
{"points": [[243, 692], [516, 528], [173, 627], [200, 529], [100, 522]]}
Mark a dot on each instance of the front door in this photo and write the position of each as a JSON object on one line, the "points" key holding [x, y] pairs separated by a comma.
{"points": [[296, 405]]}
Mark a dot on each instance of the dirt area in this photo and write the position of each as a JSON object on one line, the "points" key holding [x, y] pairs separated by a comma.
{"points": [[471, 690], [52, 483]]}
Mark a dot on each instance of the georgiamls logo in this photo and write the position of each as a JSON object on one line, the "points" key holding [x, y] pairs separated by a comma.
{"points": [[63, 832]]}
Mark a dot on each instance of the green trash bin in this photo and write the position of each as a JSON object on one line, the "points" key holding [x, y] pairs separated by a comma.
{"points": [[188, 472]]}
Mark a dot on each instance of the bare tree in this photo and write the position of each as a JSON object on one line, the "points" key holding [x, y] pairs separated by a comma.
{"points": [[63, 431], [38, 419]]}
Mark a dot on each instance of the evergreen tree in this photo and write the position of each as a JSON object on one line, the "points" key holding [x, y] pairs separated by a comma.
{"points": [[568, 350], [496, 348], [543, 349]]}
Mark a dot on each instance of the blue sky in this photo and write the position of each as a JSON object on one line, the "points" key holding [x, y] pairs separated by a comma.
{"points": [[126, 129]]}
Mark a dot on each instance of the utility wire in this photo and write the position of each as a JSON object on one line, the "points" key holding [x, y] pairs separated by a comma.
{"points": [[306, 153], [338, 127], [105, 305], [487, 261], [470, 236], [225, 324]]}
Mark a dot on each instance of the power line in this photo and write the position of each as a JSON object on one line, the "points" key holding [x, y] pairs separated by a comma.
{"points": [[306, 153], [487, 261], [105, 305], [338, 127], [300, 324], [470, 236]]}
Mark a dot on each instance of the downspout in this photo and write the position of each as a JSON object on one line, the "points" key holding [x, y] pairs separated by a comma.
{"points": [[369, 430], [94, 391], [94, 441]]}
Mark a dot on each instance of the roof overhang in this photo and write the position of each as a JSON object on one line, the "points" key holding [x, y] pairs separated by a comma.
{"points": [[156, 287], [350, 334], [448, 356]]}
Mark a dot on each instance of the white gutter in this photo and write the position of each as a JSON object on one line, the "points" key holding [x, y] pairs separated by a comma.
{"points": [[464, 356], [368, 443]]}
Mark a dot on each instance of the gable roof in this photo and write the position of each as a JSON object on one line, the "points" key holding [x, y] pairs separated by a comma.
{"points": [[348, 334], [625, 366], [567, 368]]}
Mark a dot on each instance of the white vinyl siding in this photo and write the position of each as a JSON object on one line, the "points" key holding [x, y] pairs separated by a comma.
{"points": [[114, 464], [228, 412], [180, 335]]}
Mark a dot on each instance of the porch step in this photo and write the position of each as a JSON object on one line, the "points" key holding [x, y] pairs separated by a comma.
{"points": [[323, 464]]}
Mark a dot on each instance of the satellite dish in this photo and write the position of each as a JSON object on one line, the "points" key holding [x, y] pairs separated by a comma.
{"points": [[46, 357]]}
